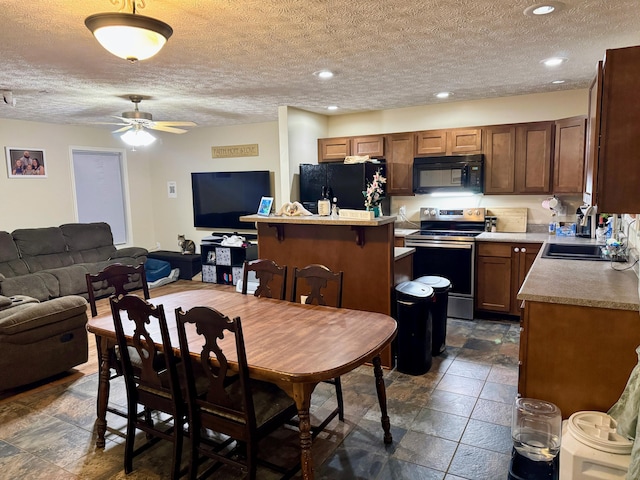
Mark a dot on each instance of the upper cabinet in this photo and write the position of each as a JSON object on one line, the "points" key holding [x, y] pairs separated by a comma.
{"points": [[333, 149], [612, 171], [568, 158], [400, 153], [372, 145], [449, 142], [336, 149], [518, 158]]}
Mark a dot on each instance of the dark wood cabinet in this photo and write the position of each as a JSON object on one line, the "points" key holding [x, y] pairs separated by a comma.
{"points": [[499, 158], [518, 158], [568, 158], [449, 142], [400, 153], [333, 149], [336, 149], [577, 357], [613, 170], [372, 145], [500, 271], [534, 142]]}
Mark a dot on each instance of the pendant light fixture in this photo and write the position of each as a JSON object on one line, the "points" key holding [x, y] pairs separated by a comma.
{"points": [[129, 36]]}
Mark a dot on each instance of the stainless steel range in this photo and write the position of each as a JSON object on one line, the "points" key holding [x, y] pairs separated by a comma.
{"points": [[445, 246]]}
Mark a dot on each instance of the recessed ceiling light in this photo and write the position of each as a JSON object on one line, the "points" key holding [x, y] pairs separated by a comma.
{"points": [[332, 107], [324, 74], [543, 8], [558, 81], [443, 94], [553, 61]]}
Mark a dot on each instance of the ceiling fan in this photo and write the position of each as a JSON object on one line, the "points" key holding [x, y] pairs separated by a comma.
{"points": [[138, 120]]}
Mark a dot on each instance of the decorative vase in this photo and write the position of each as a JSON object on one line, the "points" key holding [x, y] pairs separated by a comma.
{"points": [[377, 211]]}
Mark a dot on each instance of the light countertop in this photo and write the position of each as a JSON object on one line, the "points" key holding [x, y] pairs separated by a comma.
{"points": [[403, 232], [318, 220], [581, 282], [401, 252]]}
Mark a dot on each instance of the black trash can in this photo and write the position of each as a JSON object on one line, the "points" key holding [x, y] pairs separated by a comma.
{"points": [[441, 287], [414, 327]]}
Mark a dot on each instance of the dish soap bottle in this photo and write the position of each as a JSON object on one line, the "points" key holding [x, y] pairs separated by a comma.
{"points": [[324, 205]]}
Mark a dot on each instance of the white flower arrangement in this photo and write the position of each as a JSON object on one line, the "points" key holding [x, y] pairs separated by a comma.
{"points": [[374, 193]]}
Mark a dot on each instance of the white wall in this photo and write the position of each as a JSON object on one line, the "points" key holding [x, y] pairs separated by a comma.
{"points": [[303, 130], [180, 155], [42, 202]]}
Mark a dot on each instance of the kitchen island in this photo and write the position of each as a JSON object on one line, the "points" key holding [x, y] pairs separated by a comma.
{"points": [[580, 331], [362, 249]]}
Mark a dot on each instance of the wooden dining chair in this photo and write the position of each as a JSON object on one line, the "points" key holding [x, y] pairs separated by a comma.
{"points": [[150, 376], [267, 271], [318, 279], [245, 410], [122, 279]]}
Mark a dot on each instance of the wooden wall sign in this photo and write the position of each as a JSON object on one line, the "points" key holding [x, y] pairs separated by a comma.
{"points": [[230, 151]]}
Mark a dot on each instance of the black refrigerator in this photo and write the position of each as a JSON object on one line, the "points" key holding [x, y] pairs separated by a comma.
{"points": [[346, 182]]}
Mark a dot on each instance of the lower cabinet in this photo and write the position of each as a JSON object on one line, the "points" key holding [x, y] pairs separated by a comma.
{"points": [[577, 357], [500, 271]]}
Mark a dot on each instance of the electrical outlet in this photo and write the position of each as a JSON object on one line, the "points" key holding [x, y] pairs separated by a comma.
{"points": [[403, 210]]}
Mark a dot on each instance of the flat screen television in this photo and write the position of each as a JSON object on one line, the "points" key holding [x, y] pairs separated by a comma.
{"points": [[221, 198]]}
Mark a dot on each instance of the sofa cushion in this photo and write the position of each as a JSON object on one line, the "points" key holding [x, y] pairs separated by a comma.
{"points": [[39, 285], [88, 242], [34, 316], [42, 248], [11, 264], [71, 280]]}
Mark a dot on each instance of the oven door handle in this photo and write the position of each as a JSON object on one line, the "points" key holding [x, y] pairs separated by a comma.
{"points": [[460, 246]]}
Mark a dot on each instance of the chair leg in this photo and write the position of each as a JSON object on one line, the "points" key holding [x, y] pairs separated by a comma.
{"points": [[252, 458], [178, 436], [129, 443], [339, 398]]}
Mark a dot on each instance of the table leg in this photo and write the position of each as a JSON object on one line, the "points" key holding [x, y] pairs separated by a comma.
{"points": [[103, 389], [382, 399], [302, 396]]}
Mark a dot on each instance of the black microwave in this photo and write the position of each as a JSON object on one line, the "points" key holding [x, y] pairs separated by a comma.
{"points": [[458, 173]]}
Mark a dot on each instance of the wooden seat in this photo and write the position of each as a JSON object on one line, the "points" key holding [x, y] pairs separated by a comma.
{"points": [[243, 409], [323, 287], [151, 377], [123, 279], [267, 271]]}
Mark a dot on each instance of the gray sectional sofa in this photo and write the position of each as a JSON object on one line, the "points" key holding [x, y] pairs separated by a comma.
{"points": [[43, 291], [51, 262]]}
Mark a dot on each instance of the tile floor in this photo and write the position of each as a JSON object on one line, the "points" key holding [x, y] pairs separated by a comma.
{"points": [[451, 423]]}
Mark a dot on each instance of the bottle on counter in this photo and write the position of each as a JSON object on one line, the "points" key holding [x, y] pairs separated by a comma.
{"points": [[324, 205], [334, 208]]}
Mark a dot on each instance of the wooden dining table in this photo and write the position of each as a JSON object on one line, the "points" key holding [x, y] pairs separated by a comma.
{"points": [[292, 345]]}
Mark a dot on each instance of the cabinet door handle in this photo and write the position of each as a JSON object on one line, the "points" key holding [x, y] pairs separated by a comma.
{"points": [[516, 249], [523, 250]]}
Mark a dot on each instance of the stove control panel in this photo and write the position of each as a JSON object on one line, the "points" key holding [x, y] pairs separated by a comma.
{"points": [[474, 214]]}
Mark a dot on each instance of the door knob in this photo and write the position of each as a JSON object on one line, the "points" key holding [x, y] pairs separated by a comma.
{"points": [[516, 249]]}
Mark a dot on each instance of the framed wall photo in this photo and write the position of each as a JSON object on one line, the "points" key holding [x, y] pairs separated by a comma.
{"points": [[265, 206], [25, 163]]}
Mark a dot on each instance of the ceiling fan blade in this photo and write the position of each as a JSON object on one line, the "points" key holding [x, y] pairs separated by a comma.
{"points": [[123, 129], [176, 124], [122, 119], [167, 129]]}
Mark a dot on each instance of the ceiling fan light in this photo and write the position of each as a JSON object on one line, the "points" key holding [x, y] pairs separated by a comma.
{"points": [[129, 36], [138, 138]]}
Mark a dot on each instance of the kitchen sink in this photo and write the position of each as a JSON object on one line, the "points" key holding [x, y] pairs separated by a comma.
{"points": [[569, 251]]}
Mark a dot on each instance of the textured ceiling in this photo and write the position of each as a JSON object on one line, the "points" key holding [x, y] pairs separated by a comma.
{"points": [[236, 61]]}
